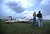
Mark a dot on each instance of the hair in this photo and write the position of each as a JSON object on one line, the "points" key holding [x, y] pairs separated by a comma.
{"points": [[34, 12], [39, 11]]}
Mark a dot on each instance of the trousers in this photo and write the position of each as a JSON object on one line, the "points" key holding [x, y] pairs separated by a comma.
{"points": [[34, 22], [40, 22]]}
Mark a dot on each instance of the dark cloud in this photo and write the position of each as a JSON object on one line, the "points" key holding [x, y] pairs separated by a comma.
{"points": [[16, 7]]}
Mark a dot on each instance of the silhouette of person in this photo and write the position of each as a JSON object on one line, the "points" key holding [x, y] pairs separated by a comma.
{"points": [[39, 15], [34, 19]]}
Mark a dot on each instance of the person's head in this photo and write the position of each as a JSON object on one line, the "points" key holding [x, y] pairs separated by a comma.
{"points": [[34, 12], [39, 11]]}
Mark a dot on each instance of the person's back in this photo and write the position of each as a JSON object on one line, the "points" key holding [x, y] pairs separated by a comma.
{"points": [[34, 19], [39, 15], [34, 14]]}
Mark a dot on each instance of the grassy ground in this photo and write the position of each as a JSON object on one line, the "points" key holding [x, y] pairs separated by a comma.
{"points": [[23, 28]]}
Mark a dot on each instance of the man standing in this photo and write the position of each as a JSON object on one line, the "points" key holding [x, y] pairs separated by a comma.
{"points": [[39, 15]]}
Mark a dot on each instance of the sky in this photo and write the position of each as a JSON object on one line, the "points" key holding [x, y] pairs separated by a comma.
{"points": [[24, 8]]}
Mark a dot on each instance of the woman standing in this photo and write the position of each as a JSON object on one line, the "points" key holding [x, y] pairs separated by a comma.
{"points": [[34, 19]]}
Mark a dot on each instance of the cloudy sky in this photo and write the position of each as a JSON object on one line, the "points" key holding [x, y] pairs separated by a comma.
{"points": [[24, 8]]}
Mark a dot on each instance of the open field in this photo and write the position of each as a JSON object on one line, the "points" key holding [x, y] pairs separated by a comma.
{"points": [[25, 28]]}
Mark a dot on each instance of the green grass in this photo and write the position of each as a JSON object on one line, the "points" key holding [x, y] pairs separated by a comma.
{"points": [[23, 28]]}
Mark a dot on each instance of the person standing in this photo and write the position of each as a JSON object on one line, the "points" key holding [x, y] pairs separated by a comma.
{"points": [[34, 19], [39, 15]]}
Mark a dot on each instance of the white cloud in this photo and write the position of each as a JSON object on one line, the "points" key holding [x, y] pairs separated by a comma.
{"points": [[45, 2], [28, 16], [47, 17]]}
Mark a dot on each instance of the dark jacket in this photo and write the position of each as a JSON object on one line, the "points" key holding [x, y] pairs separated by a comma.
{"points": [[39, 15]]}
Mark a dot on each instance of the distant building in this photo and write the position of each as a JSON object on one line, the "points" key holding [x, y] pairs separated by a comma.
{"points": [[9, 18]]}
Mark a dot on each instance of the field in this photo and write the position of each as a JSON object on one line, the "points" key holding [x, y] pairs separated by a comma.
{"points": [[25, 28]]}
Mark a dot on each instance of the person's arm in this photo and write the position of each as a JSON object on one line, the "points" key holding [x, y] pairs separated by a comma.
{"points": [[42, 17], [37, 15], [33, 14]]}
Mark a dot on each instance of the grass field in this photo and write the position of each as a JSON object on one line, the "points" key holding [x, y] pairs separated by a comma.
{"points": [[23, 28]]}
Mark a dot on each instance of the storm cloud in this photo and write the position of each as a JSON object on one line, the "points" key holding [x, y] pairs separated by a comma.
{"points": [[15, 6], [20, 7]]}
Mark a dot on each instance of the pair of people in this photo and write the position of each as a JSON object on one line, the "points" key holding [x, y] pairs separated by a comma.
{"points": [[39, 15]]}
